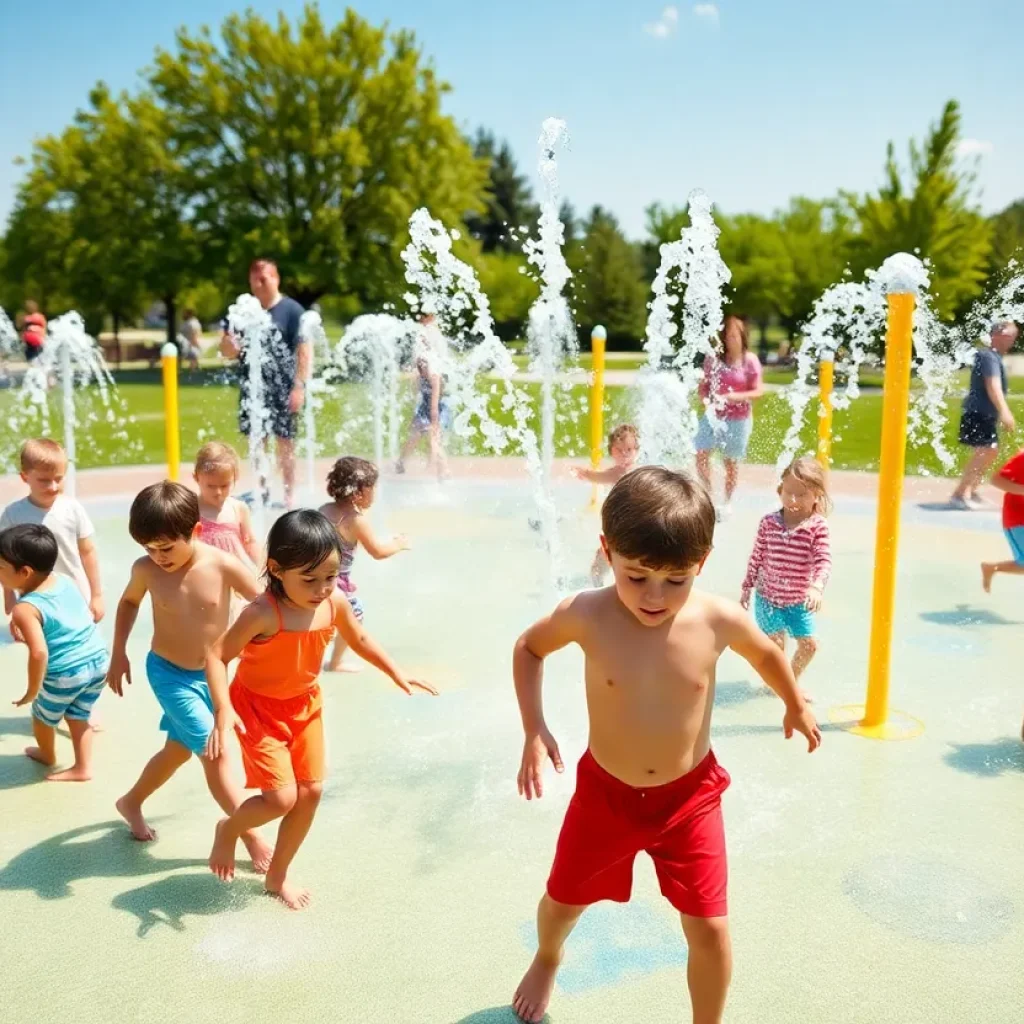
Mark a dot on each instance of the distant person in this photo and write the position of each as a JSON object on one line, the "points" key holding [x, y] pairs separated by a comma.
{"points": [[287, 365], [352, 486], [33, 330], [190, 340], [433, 413], [649, 779], [67, 659], [791, 563], [623, 447], [732, 381], [984, 410]]}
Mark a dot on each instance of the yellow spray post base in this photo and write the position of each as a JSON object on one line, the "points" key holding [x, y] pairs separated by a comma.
{"points": [[826, 381], [172, 434], [898, 726], [598, 338]]}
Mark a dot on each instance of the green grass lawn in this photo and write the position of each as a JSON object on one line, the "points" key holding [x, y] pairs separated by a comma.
{"points": [[208, 409]]}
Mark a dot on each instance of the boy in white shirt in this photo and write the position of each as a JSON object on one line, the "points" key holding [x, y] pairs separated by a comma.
{"points": [[43, 465]]}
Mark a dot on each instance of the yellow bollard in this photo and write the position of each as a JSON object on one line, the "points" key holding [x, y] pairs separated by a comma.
{"points": [[172, 437], [876, 720], [826, 379], [598, 337]]}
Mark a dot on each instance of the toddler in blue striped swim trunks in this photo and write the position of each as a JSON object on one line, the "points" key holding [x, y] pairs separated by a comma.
{"points": [[67, 659]]}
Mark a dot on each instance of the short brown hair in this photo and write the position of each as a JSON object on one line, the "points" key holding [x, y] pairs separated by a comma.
{"points": [[163, 511], [216, 455], [664, 519], [622, 431], [262, 262], [42, 453], [809, 472]]}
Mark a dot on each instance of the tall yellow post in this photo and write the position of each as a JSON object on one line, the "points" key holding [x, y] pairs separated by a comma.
{"points": [[895, 404], [598, 337], [172, 434], [826, 380]]}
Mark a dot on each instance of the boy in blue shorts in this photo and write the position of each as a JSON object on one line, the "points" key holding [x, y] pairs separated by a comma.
{"points": [[1009, 480], [190, 585], [67, 660]]}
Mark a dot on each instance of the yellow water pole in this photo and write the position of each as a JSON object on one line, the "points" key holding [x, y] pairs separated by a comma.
{"points": [[172, 435], [598, 337], [895, 404], [826, 380]]}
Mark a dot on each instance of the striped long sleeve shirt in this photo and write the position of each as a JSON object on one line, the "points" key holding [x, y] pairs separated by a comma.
{"points": [[786, 563]]}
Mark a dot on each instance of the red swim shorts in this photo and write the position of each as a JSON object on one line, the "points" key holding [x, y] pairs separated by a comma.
{"points": [[679, 824]]}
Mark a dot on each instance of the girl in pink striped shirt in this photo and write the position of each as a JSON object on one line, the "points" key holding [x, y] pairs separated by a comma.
{"points": [[792, 561]]}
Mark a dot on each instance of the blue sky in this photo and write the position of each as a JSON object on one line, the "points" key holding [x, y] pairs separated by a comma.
{"points": [[752, 100]]}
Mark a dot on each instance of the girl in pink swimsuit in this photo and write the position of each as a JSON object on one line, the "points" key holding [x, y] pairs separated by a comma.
{"points": [[224, 521]]}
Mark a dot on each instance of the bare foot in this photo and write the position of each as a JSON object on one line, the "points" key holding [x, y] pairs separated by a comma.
{"points": [[72, 774], [37, 755], [132, 814], [291, 896], [534, 993], [261, 852], [988, 570], [222, 856]]}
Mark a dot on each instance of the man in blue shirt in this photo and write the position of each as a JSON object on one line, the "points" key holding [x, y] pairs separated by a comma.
{"points": [[984, 410], [287, 363]]}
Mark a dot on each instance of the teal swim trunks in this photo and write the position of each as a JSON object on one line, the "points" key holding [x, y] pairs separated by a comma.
{"points": [[793, 619], [185, 699]]}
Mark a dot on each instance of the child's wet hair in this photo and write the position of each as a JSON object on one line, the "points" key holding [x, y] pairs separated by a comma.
{"points": [[163, 511], [301, 539], [809, 472], [350, 475], [620, 433], [30, 544], [216, 455], [660, 518], [42, 453]]}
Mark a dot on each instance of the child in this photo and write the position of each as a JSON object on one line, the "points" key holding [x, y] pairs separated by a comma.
{"points": [[624, 447], [225, 521], [1009, 480], [43, 466], [792, 561], [274, 700], [649, 780], [352, 484], [67, 661], [190, 586]]}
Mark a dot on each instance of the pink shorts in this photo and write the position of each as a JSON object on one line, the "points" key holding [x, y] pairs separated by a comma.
{"points": [[678, 824]]}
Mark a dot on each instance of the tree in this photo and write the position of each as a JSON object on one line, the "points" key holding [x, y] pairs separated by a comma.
{"points": [[505, 279], [932, 211], [610, 289], [1007, 236], [508, 204], [313, 145]]}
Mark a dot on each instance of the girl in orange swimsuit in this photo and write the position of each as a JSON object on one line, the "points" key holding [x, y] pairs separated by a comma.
{"points": [[274, 702]]}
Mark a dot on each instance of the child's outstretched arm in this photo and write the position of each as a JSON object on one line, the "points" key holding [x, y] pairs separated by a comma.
{"points": [[754, 564], [375, 548], [91, 565], [611, 475], [555, 631], [257, 618], [821, 567], [124, 621], [249, 541], [350, 629], [770, 663], [26, 619], [241, 578]]}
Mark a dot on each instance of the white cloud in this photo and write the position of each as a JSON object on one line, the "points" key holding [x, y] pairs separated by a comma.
{"points": [[974, 147], [666, 25], [708, 12]]}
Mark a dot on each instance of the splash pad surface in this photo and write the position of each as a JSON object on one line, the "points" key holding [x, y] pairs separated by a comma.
{"points": [[869, 882]]}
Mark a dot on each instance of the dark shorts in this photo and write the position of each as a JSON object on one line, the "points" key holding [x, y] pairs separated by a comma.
{"points": [[280, 422], [978, 430], [32, 352]]}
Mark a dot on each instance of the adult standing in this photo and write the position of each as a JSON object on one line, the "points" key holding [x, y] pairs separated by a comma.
{"points": [[732, 381], [984, 410], [190, 340], [433, 414], [33, 330], [287, 364]]}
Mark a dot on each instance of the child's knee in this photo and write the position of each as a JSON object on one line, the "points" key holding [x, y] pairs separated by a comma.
{"points": [[282, 800], [808, 645], [309, 793], [708, 933]]}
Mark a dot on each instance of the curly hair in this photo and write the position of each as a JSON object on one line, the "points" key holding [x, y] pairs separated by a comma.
{"points": [[350, 475]]}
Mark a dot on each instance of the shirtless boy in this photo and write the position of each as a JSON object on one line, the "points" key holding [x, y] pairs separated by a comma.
{"points": [[649, 780], [190, 585]]}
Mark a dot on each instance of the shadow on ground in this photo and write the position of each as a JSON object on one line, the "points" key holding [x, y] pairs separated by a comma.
{"points": [[105, 850], [16, 725], [497, 1015], [987, 760], [965, 615], [731, 694], [169, 901]]}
